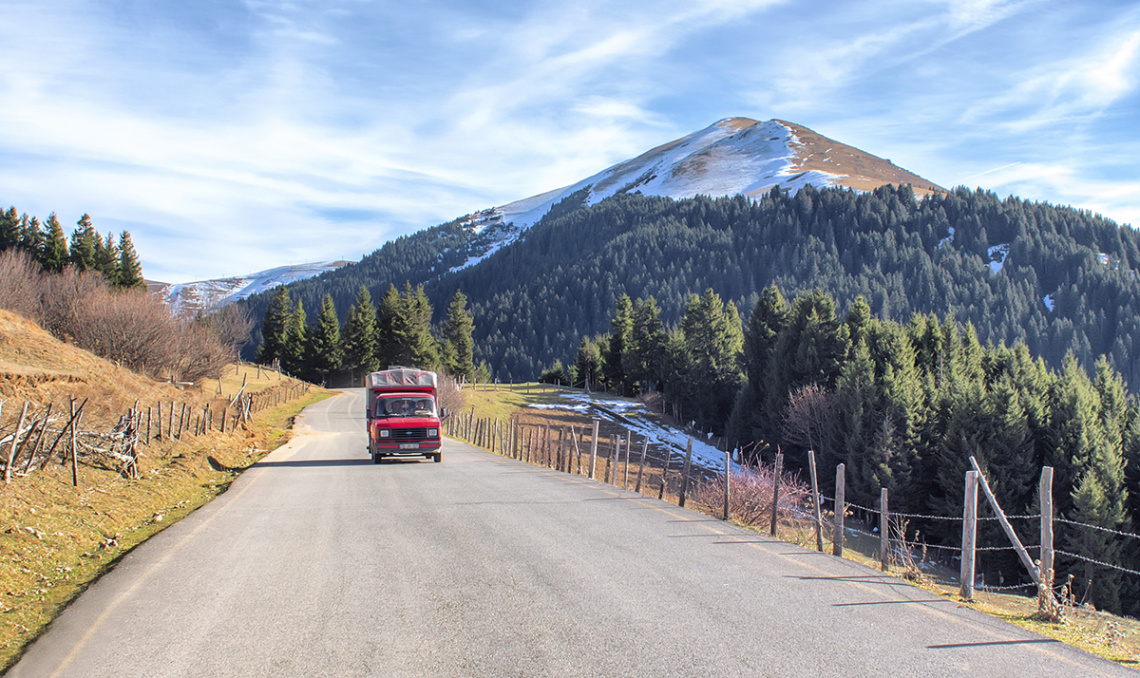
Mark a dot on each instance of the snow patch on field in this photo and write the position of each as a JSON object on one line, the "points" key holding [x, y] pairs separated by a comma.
{"points": [[704, 454]]}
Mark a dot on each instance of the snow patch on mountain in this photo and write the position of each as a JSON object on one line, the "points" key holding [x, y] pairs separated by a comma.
{"points": [[997, 255], [735, 156], [192, 297]]}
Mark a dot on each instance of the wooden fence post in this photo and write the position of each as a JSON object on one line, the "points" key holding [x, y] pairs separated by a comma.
{"points": [[969, 536], [840, 510], [15, 443], [685, 473], [1045, 587], [576, 460], [594, 451], [616, 458], [641, 466], [625, 475], [727, 481], [1004, 522], [884, 530], [74, 446], [665, 470], [776, 475], [815, 501]]}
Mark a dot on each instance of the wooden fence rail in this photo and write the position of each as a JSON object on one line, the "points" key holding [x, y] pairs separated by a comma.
{"points": [[27, 443]]}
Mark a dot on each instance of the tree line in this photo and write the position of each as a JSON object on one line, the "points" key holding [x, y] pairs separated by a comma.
{"points": [[904, 406], [47, 245], [397, 332], [1058, 279]]}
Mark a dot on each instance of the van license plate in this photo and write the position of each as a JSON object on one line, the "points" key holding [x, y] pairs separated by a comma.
{"points": [[409, 446]]}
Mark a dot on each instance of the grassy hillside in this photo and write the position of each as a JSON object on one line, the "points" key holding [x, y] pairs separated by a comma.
{"points": [[56, 538]]}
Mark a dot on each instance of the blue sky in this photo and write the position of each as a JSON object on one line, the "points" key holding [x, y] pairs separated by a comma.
{"points": [[230, 137]]}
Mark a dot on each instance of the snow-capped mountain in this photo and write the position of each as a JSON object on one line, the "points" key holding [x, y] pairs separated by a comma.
{"points": [[188, 298], [735, 156]]}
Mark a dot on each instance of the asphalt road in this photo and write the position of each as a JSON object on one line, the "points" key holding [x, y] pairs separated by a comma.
{"points": [[318, 563]]}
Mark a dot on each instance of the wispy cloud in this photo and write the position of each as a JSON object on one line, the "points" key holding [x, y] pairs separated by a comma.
{"points": [[231, 137]]}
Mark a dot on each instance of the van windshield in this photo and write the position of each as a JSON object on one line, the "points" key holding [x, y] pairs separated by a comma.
{"points": [[405, 407]]}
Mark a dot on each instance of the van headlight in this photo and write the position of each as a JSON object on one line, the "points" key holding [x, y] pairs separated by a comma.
{"points": [[433, 432], [384, 433]]}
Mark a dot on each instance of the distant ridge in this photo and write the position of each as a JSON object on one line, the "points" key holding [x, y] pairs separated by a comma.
{"points": [[192, 297]]}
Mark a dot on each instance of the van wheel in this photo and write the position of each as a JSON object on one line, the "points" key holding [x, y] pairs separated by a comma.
{"points": [[437, 457], [377, 458]]}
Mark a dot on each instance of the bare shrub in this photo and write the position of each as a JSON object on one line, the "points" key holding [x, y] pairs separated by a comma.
{"points": [[130, 327], [750, 499], [449, 396], [20, 284], [133, 329], [807, 416], [62, 297], [197, 353], [229, 325]]}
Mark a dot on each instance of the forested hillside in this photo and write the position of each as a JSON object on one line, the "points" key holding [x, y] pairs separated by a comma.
{"points": [[1056, 278]]}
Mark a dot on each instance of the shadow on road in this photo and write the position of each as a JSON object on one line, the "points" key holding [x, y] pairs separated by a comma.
{"points": [[894, 602], [308, 463], [1028, 641]]}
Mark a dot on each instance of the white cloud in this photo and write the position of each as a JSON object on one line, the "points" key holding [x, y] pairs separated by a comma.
{"points": [[232, 138]]}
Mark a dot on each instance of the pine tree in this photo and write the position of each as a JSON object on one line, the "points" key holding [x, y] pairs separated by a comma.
{"points": [[458, 329], [587, 364], [647, 349], [360, 334], [713, 340], [294, 343], [32, 238], [55, 246], [809, 349], [129, 269], [389, 329], [274, 328], [419, 348], [751, 420], [9, 229], [107, 259], [84, 241], [621, 331], [323, 352]]}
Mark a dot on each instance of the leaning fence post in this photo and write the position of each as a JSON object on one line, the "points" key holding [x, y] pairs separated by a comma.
{"points": [[840, 510], [74, 446], [777, 473], [884, 530], [685, 473], [815, 500], [969, 535], [15, 444], [1005, 526]]}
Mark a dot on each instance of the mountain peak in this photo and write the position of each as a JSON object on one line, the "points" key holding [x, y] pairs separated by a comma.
{"points": [[733, 156]]}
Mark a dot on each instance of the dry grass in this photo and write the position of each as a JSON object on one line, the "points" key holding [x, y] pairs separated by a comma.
{"points": [[55, 539]]}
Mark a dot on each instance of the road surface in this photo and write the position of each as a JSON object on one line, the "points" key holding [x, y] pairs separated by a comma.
{"points": [[318, 563]]}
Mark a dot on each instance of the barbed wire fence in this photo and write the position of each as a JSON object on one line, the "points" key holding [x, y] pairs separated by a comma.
{"points": [[550, 447]]}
